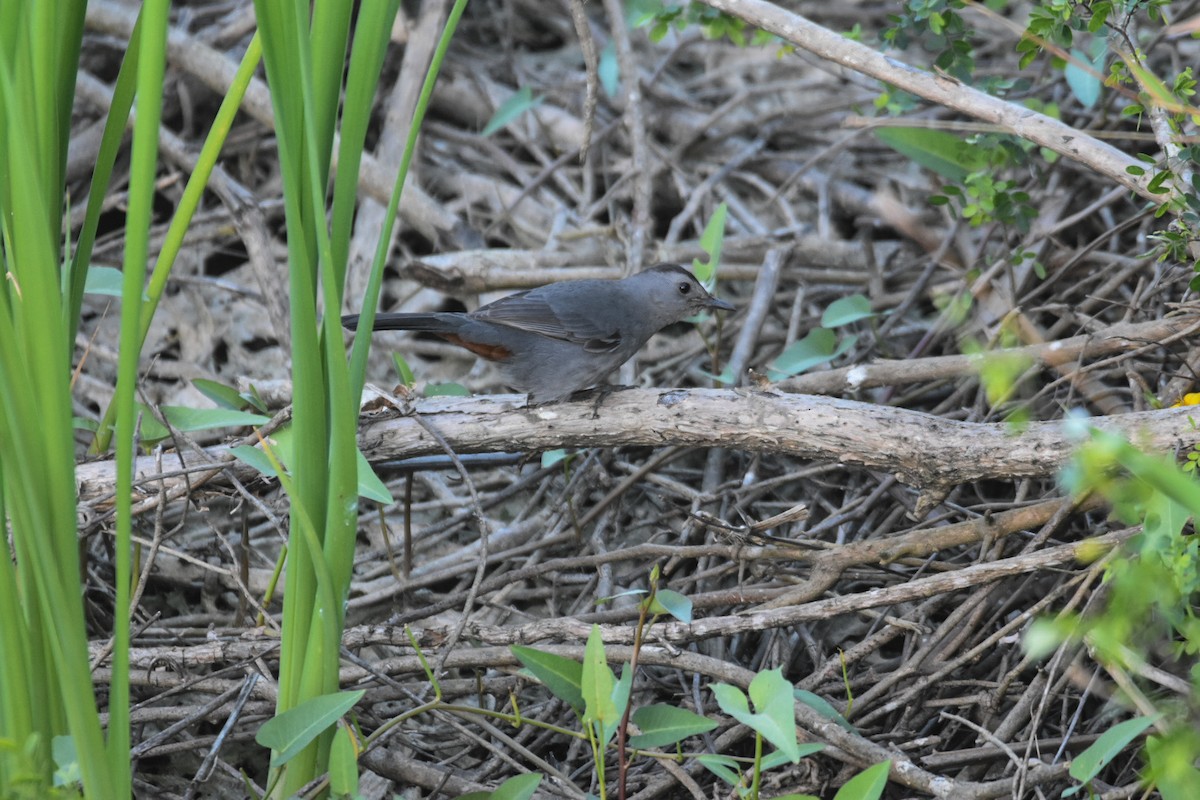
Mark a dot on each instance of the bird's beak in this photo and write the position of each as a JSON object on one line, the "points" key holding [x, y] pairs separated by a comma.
{"points": [[719, 305]]}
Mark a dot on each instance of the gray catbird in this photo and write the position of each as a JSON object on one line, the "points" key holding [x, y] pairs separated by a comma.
{"points": [[558, 339]]}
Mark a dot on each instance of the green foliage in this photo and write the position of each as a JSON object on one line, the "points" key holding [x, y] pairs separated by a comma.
{"points": [[518, 787], [521, 101], [1088, 764], [290, 732], [1150, 614], [950, 156], [663, 725], [772, 717], [938, 28], [821, 345], [229, 397], [1000, 371], [343, 762], [562, 676], [660, 17], [712, 242]]}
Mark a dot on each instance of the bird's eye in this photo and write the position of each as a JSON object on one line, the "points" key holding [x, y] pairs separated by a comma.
{"points": [[685, 288]]}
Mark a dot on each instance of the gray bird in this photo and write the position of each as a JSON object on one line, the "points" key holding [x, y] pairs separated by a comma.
{"points": [[557, 339]]}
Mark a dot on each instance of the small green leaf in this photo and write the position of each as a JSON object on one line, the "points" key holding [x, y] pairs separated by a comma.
{"points": [[866, 785], [822, 706], [609, 70], [562, 676], [518, 787], [255, 400], [521, 101], [726, 378], [403, 370], [202, 419], [290, 732], [552, 457], [103, 280], [845, 310], [446, 390], [662, 725]]}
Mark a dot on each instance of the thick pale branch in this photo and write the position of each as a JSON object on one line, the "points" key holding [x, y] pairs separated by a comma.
{"points": [[1026, 123], [921, 449]]}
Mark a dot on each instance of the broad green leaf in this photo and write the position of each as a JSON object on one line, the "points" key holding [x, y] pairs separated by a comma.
{"points": [[943, 153], [822, 706], [724, 767], [518, 787], [67, 771], [818, 347], [224, 396], [662, 725], [152, 431], [290, 732], [620, 701], [1085, 84], [677, 605], [1111, 743], [866, 785], [562, 676], [774, 715], [369, 484], [253, 457], [521, 101], [201, 419], [343, 763], [711, 242], [777, 758], [1171, 759], [598, 683], [845, 310]]}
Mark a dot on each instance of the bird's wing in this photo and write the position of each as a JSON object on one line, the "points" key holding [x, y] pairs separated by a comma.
{"points": [[568, 321]]}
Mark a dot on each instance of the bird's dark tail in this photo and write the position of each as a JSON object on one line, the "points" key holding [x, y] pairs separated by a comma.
{"points": [[433, 323]]}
